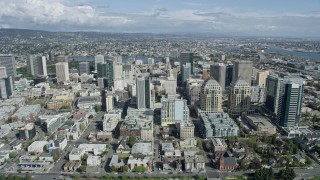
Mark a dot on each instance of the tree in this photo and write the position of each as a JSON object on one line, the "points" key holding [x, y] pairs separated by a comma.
{"points": [[255, 163], [83, 168], [308, 161], [12, 155], [91, 116], [208, 145], [113, 168], [85, 157], [202, 153], [139, 169], [295, 150], [287, 174], [27, 177], [264, 174], [3, 177], [131, 141], [98, 108], [123, 169], [199, 143]]}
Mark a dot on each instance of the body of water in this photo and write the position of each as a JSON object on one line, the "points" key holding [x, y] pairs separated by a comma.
{"points": [[293, 53]]}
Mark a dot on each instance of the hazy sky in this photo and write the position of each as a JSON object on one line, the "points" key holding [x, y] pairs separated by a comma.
{"points": [[230, 17]]}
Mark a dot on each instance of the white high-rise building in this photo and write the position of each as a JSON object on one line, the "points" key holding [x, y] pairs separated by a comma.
{"points": [[37, 65], [171, 86], [211, 96], [62, 71], [98, 59], [117, 71], [109, 102], [174, 111]]}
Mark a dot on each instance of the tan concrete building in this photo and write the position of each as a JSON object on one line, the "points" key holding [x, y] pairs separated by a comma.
{"points": [[211, 96], [239, 97], [261, 78], [187, 130]]}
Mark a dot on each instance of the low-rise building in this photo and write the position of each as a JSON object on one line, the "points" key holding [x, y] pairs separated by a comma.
{"points": [[27, 132], [167, 149], [194, 163], [60, 143], [37, 147], [186, 130], [219, 144], [95, 149], [104, 135], [26, 113], [116, 162], [134, 162], [140, 127], [217, 124], [111, 120], [188, 143], [89, 102], [143, 149], [76, 154], [50, 123], [123, 148], [94, 161], [228, 163], [261, 125]]}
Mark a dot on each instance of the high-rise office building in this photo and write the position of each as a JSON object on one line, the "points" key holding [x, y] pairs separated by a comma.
{"points": [[62, 71], [229, 74], [284, 99], [6, 84], [37, 65], [242, 70], [205, 73], [239, 97], [218, 72], [187, 57], [143, 92], [174, 111], [117, 71], [9, 62], [291, 102], [261, 78], [98, 59], [105, 70], [211, 96], [185, 73], [84, 68], [3, 72]]}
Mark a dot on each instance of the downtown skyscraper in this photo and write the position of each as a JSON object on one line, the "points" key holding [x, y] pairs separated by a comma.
{"points": [[218, 72], [143, 92], [284, 99], [37, 65], [242, 70]]}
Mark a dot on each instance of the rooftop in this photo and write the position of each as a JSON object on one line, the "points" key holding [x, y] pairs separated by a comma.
{"points": [[142, 148]]}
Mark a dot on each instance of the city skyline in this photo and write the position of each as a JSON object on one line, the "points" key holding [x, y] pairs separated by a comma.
{"points": [[230, 18]]}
